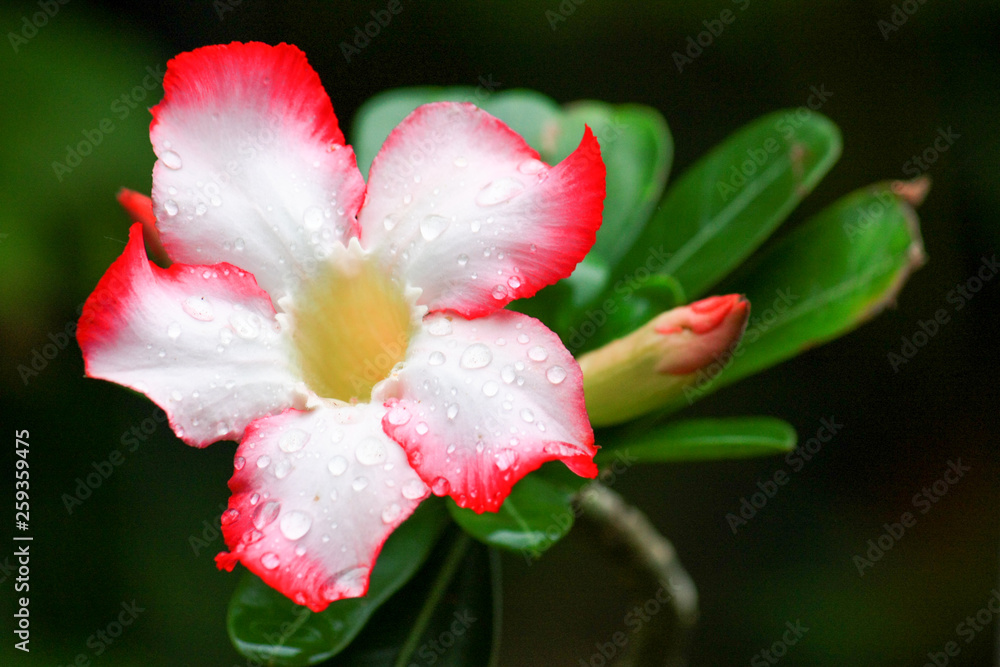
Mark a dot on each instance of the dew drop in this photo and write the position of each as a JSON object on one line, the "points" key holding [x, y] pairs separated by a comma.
{"points": [[229, 516], [176, 395], [240, 244], [337, 466], [441, 487], [436, 358], [556, 374], [499, 191], [282, 468], [452, 411], [531, 166], [293, 440], [391, 513], [174, 330], [359, 484], [475, 356], [199, 308], [200, 208], [499, 292], [527, 415], [246, 326], [433, 226], [269, 561], [514, 282], [421, 428], [463, 259], [263, 461], [170, 206], [295, 524], [239, 462], [522, 338], [538, 353], [254, 499], [398, 415], [414, 489], [506, 458], [172, 160], [389, 222], [491, 388], [265, 514], [439, 327], [507, 374], [370, 452]]}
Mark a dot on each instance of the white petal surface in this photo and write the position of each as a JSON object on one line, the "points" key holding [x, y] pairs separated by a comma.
{"points": [[315, 495]]}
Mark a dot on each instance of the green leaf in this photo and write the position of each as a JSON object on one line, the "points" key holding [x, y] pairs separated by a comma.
{"points": [[836, 271], [449, 614], [706, 439], [535, 515], [726, 205], [265, 625]]}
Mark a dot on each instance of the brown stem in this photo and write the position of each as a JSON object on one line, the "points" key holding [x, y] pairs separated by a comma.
{"points": [[660, 641]]}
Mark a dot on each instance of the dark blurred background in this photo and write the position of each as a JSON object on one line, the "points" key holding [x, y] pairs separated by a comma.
{"points": [[892, 92]]}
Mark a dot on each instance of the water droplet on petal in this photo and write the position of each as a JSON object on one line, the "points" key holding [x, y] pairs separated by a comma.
{"points": [[170, 206], [199, 308], [432, 226], [531, 166], [499, 191], [556, 374], [391, 513], [398, 415], [172, 160], [439, 327], [269, 561], [506, 458], [263, 461], [522, 338], [475, 356], [246, 325], [436, 358], [538, 353], [239, 462], [421, 428], [240, 244], [452, 411], [491, 388], [527, 415], [293, 440], [295, 524], [514, 282], [254, 499], [282, 468], [507, 374], [265, 514], [359, 484], [337, 466], [174, 330], [499, 292], [200, 208], [389, 222], [414, 489], [229, 516], [463, 259], [441, 487], [370, 452]]}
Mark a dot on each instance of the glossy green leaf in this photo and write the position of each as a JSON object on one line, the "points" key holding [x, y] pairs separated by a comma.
{"points": [[827, 277], [722, 208], [449, 614], [265, 625], [706, 439], [535, 515]]}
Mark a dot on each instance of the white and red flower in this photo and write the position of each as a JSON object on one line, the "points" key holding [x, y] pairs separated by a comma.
{"points": [[352, 337]]}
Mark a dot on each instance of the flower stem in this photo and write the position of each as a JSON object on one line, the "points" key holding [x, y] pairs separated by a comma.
{"points": [[659, 642]]}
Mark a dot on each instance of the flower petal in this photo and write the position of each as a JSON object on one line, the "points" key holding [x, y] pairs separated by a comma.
{"points": [[315, 495], [484, 402], [252, 169], [201, 341], [461, 206]]}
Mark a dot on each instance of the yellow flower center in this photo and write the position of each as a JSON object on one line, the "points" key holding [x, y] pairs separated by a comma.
{"points": [[352, 326]]}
